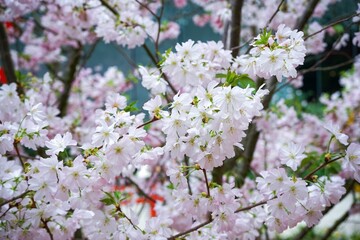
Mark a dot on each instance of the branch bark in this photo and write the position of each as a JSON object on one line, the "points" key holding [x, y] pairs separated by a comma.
{"points": [[235, 26], [307, 14], [74, 61], [15, 198], [6, 59]]}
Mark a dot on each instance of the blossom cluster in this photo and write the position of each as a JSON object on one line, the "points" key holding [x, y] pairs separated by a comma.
{"points": [[201, 124], [274, 55], [101, 168], [195, 64]]}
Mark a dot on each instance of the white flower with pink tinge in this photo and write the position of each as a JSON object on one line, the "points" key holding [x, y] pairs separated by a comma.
{"points": [[59, 143]]}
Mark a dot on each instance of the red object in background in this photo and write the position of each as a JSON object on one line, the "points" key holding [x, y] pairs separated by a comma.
{"points": [[151, 203], [9, 25], [3, 79], [142, 200]]}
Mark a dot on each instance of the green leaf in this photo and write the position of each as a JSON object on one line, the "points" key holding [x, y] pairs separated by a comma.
{"points": [[132, 78], [108, 201], [131, 107], [164, 56], [170, 186], [220, 75], [245, 81], [264, 38], [117, 195], [339, 28]]}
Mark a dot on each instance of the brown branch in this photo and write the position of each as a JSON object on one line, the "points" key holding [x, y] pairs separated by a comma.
{"points": [[274, 14], [18, 154], [235, 26], [107, 5], [267, 25], [74, 61], [331, 50], [308, 176], [14, 198], [7, 61], [314, 69], [148, 122], [126, 56], [190, 230], [149, 53], [88, 54], [140, 191], [251, 206], [159, 30], [47, 228], [211, 219], [207, 183], [306, 15], [331, 67], [187, 174], [148, 9], [332, 24]]}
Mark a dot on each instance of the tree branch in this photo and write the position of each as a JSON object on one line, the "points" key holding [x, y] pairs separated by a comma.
{"points": [[74, 61], [190, 230], [47, 228], [235, 26], [308, 176], [14, 198], [6, 60], [332, 24], [110, 8], [19, 156], [207, 183], [140, 191], [306, 15], [274, 14]]}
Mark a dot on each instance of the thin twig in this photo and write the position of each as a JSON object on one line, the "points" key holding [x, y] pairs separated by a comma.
{"points": [[159, 30], [106, 4], [148, 122], [88, 55], [140, 191], [332, 24], [126, 56], [47, 229], [14, 198], [274, 14], [308, 176], [19, 156], [148, 9], [190, 230], [301, 72], [149, 53], [251, 206], [331, 50], [207, 183], [187, 174]]}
